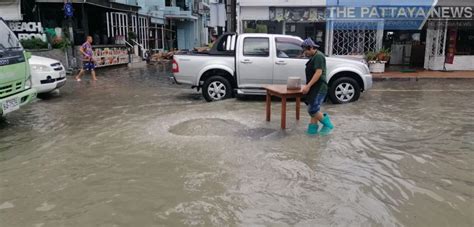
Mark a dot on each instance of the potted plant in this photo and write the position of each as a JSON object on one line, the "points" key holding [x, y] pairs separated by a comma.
{"points": [[61, 43], [377, 60], [34, 44], [371, 57], [384, 55]]}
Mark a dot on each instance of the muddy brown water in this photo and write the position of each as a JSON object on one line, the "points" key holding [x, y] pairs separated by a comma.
{"points": [[134, 150]]}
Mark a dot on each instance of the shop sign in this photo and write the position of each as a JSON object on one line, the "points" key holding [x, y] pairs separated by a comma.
{"points": [[396, 15], [294, 15], [27, 30], [217, 15], [68, 10], [451, 51]]}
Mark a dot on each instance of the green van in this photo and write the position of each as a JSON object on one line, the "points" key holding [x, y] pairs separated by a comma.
{"points": [[15, 78]]}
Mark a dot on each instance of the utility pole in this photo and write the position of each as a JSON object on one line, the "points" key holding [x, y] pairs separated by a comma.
{"points": [[227, 12], [233, 15], [69, 13]]}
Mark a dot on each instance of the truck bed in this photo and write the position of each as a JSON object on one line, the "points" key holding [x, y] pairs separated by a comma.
{"points": [[191, 65]]}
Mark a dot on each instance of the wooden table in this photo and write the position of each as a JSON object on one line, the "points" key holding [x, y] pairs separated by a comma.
{"points": [[282, 92]]}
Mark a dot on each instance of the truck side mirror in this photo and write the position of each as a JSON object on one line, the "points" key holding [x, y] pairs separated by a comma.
{"points": [[28, 55]]}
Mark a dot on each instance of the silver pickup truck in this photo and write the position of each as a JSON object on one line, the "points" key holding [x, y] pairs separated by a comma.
{"points": [[243, 64]]}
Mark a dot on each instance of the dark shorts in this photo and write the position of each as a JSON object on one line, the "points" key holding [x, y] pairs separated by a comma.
{"points": [[88, 65], [315, 107]]}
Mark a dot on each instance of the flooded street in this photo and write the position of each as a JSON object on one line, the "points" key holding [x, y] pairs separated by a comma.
{"points": [[134, 150]]}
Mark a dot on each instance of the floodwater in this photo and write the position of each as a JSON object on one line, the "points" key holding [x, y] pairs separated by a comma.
{"points": [[134, 150]]}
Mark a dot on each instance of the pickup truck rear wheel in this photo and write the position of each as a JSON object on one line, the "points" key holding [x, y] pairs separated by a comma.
{"points": [[344, 90], [216, 88]]}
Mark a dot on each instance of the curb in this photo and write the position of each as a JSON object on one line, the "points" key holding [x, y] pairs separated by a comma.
{"points": [[419, 78]]}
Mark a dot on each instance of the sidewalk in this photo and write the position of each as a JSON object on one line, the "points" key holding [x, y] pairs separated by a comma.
{"points": [[424, 74]]}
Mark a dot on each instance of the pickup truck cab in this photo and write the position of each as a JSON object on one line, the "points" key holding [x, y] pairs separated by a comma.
{"points": [[243, 64], [15, 79]]}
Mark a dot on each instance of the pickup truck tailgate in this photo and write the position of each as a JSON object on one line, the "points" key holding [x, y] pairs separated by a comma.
{"points": [[188, 69]]}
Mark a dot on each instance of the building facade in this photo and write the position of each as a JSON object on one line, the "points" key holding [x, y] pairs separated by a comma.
{"points": [[356, 28], [450, 42], [303, 18], [153, 24], [186, 22]]}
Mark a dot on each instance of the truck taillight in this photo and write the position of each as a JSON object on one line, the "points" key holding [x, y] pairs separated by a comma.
{"points": [[175, 66]]}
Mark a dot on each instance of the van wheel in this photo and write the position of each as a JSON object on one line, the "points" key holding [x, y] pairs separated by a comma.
{"points": [[216, 88], [344, 90]]}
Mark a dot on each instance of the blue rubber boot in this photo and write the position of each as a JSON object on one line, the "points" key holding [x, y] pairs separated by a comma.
{"points": [[327, 125], [313, 129]]}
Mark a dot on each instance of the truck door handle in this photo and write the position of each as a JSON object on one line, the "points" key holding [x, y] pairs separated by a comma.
{"points": [[280, 63], [246, 61]]}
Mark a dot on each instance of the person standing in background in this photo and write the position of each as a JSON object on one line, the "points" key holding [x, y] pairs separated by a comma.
{"points": [[88, 62]]}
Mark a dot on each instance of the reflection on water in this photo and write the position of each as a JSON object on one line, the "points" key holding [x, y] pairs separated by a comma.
{"points": [[132, 149]]}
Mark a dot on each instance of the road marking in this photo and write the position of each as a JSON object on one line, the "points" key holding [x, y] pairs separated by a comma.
{"points": [[428, 90]]}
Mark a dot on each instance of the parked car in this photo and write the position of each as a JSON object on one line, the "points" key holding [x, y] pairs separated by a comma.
{"points": [[15, 79], [243, 64], [47, 74]]}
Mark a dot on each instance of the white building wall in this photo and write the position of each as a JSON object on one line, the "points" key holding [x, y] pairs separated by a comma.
{"points": [[11, 10], [255, 13], [460, 63]]}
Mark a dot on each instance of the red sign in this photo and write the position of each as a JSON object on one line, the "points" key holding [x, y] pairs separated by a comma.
{"points": [[451, 50]]}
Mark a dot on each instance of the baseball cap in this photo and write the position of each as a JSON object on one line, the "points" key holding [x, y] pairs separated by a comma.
{"points": [[309, 43]]}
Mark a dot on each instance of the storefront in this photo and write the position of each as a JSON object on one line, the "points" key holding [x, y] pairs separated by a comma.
{"points": [[108, 24], [407, 47], [182, 32], [450, 36], [416, 35], [450, 45], [157, 33]]}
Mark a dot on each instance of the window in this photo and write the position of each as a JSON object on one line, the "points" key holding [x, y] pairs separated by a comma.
{"points": [[7, 38], [225, 44], [182, 4], [465, 42], [257, 47], [289, 48], [265, 27], [117, 25]]}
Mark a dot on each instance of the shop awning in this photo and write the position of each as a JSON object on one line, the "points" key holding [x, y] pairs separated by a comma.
{"points": [[10, 10], [185, 17]]}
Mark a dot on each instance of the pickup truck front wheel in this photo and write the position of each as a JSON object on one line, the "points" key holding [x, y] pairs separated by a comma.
{"points": [[344, 90], [216, 88]]}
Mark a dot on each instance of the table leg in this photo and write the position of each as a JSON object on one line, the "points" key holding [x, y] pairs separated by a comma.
{"points": [[283, 112], [269, 106], [298, 106]]}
